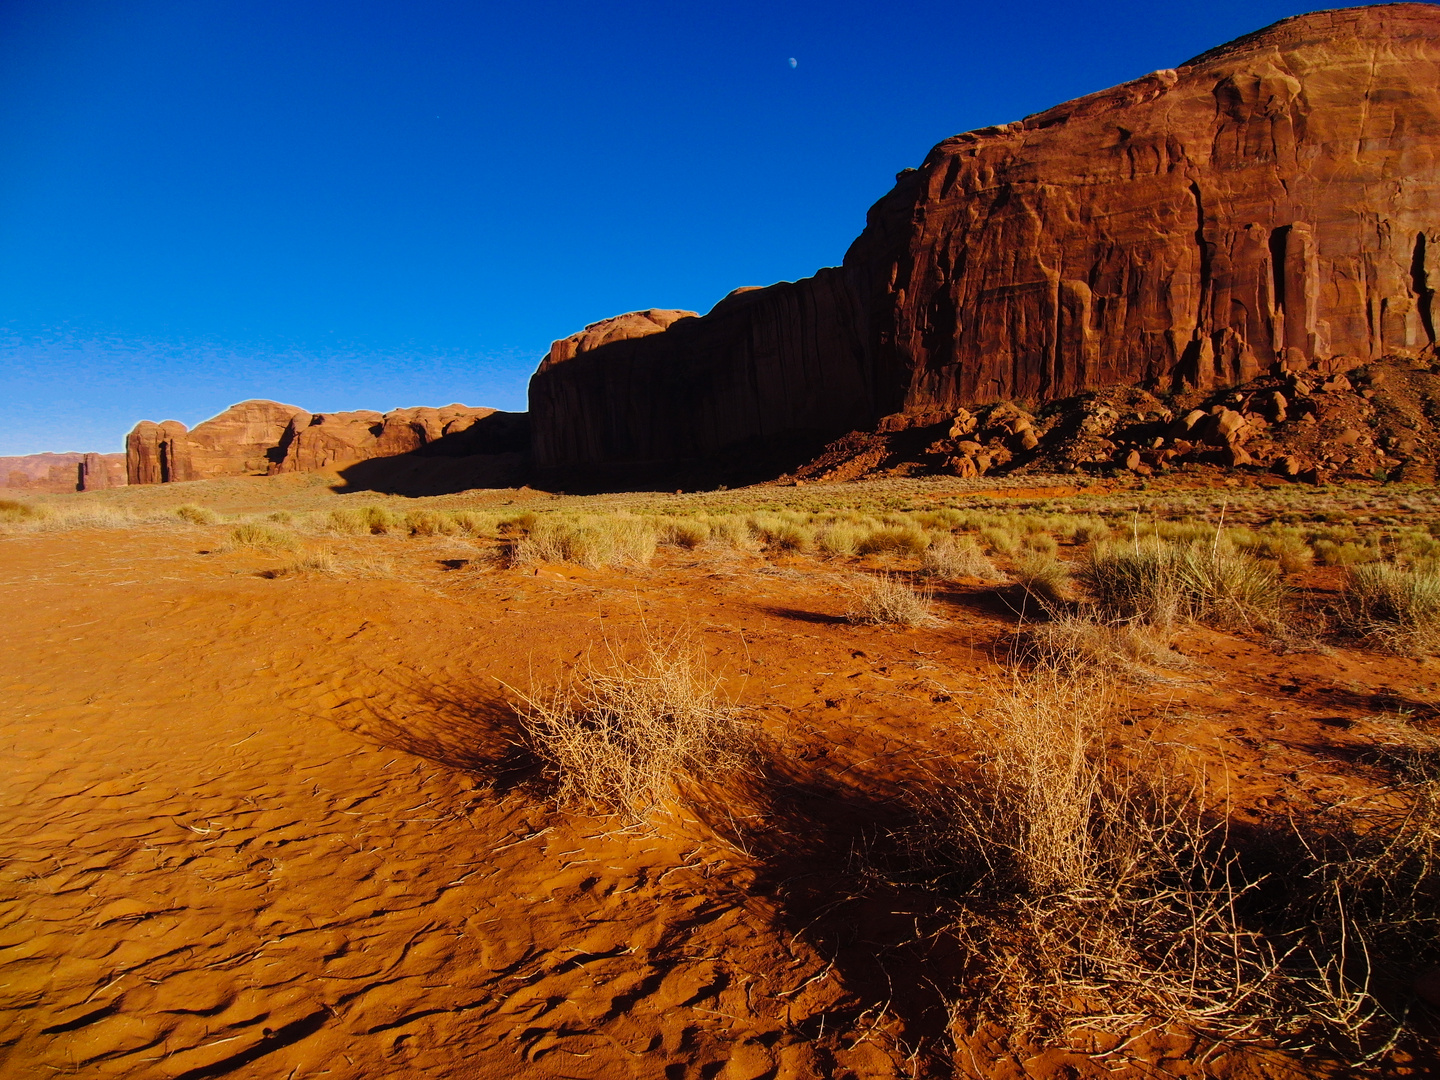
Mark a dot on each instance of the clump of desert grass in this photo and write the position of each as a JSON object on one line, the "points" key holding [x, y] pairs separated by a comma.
{"points": [[20, 516], [422, 522], [1162, 584], [1093, 880], [687, 533], [1357, 898], [593, 541], [312, 562], [1396, 607], [1345, 552], [954, 557], [15, 512], [323, 561], [907, 539], [628, 733], [255, 534], [1046, 583], [196, 515], [890, 600], [1092, 883], [1074, 643]]}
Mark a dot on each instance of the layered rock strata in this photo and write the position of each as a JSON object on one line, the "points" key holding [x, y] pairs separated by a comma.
{"points": [[258, 438], [1270, 206]]}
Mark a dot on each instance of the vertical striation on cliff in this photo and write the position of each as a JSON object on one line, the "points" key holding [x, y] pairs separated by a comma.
{"points": [[1271, 204]]}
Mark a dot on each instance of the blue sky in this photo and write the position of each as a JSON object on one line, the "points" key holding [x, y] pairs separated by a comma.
{"points": [[376, 204]]}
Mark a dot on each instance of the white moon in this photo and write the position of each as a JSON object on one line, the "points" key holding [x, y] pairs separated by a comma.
{"points": [[792, 62]]}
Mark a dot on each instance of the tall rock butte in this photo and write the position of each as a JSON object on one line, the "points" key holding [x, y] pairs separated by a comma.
{"points": [[1274, 202]]}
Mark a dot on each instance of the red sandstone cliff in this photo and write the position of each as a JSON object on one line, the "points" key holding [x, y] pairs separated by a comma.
{"points": [[242, 440], [334, 440], [264, 437], [1274, 203], [62, 472]]}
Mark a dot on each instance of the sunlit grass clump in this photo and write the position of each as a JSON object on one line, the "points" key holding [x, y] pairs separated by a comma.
{"points": [[1397, 607], [629, 733]]}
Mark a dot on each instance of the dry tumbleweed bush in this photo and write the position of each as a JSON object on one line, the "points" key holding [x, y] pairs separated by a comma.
{"points": [[1092, 878], [1096, 886], [627, 732]]}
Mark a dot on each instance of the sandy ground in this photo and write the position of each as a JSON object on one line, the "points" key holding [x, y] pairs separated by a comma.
{"points": [[282, 828]]}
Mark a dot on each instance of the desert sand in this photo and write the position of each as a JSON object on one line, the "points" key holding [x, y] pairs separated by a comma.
{"points": [[287, 826]]}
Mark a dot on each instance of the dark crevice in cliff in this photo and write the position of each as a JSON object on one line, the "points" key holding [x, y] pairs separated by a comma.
{"points": [[1205, 258], [1278, 239], [1420, 282]]}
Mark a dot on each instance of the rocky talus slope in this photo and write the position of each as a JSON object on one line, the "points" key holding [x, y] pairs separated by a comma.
{"points": [[1379, 421], [1271, 207]]}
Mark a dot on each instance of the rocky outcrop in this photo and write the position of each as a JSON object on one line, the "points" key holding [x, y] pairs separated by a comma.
{"points": [[258, 438], [1373, 423], [243, 440], [1272, 206], [62, 472], [334, 440], [96, 472]]}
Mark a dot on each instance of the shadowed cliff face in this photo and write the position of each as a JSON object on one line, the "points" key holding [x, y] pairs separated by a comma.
{"points": [[767, 373], [1272, 203]]}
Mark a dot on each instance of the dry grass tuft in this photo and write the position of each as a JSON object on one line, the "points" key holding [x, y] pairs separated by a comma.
{"points": [[888, 600], [313, 562], [899, 539], [1046, 581], [958, 557], [196, 515], [685, 533], [1093, 885], [629, 733], [12, 511], [592, 541], [252, 534], [1162, 584], [1097, 887], [1394, 606], [1076, 646]]}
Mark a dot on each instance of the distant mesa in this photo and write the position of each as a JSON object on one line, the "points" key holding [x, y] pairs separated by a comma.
{"points": [[407, 451], [1270, 207], [62, 472]]}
